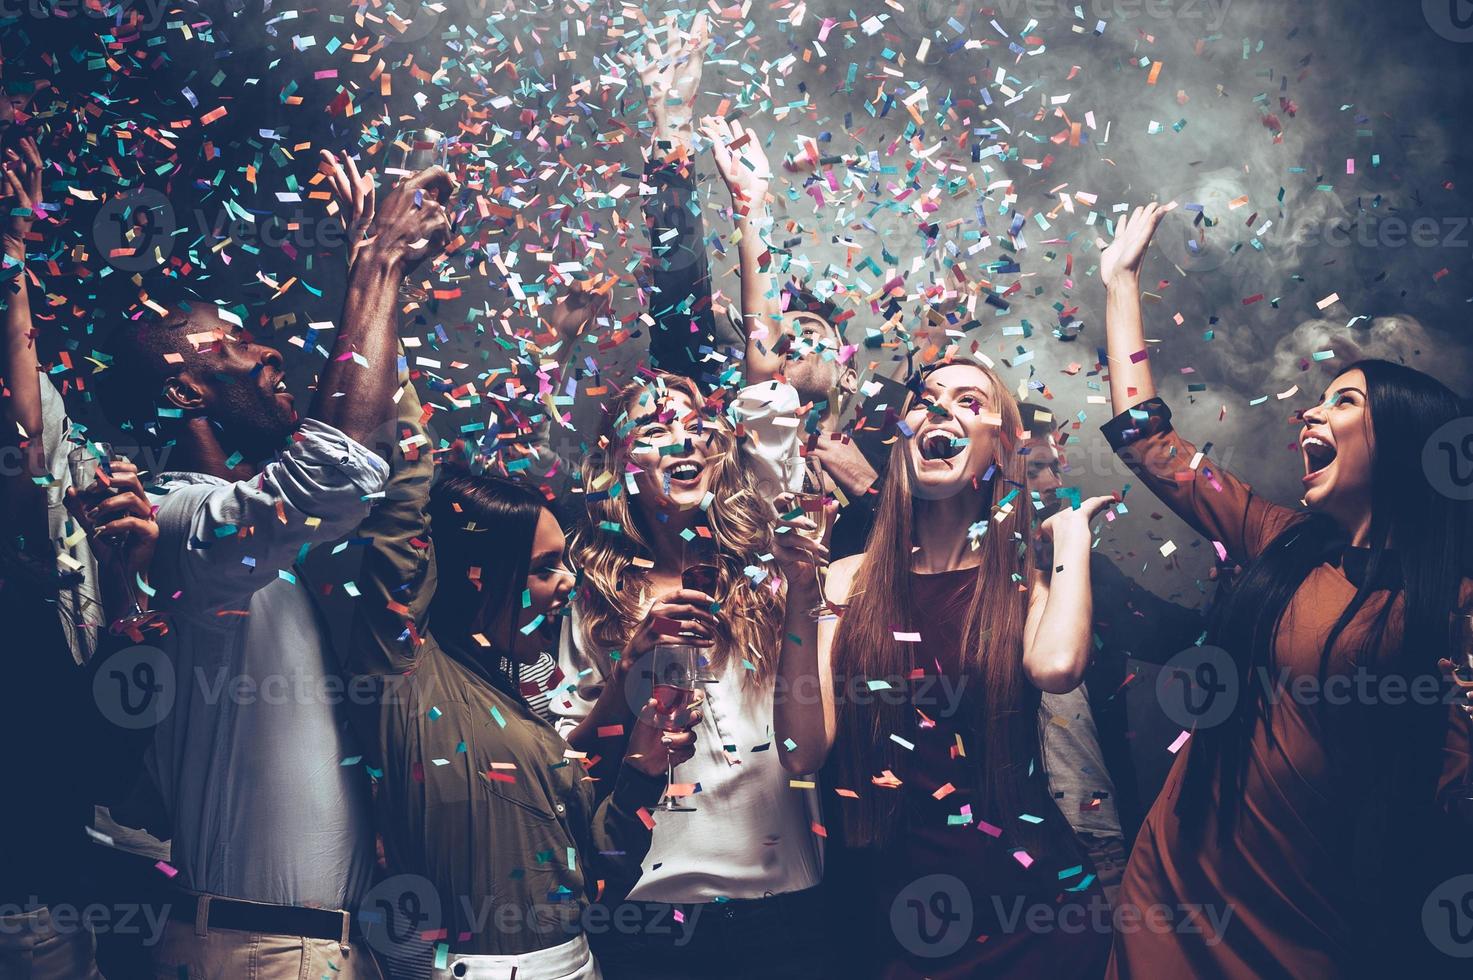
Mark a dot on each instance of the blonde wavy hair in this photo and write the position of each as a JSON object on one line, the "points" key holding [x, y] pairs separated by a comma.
{"points": [[613, 591]]}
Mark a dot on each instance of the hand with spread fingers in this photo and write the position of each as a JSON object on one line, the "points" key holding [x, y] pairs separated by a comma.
{"points": [[20, 185], [741, 161], [1121, 260], [671, 74], [356, 195], [577, 307], [414, 221]]}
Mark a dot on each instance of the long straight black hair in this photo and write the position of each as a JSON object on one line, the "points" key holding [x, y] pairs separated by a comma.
{"points": [[1417, 545], [483, 528]]}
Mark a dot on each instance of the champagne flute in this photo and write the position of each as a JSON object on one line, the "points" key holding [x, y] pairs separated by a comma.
{"points": [[702, 573], [420, 149], [83, 463], [675, 672], [804, 478]]}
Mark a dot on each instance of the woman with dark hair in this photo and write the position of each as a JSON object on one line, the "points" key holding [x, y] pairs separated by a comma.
{"points": [[479, 800], [925, 729], [1311, 824]]}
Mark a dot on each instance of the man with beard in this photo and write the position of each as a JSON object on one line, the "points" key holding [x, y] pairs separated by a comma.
{"points": [[272, 834]]}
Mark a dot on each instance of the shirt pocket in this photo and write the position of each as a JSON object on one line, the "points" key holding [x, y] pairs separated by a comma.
{"points": [[525, 797]]}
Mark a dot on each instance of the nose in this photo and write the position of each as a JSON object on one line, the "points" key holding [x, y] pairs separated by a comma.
{"points": [[1315, 415], [271, 356]]}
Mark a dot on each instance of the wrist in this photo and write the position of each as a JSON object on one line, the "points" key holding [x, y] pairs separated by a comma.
{"points": [[803, 591], [1124, 282], [677, 132], [375, 261]]}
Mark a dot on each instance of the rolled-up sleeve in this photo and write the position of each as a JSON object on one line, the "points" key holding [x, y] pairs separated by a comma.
{"points": [[228, 540], [583, 680], [767, 417]]}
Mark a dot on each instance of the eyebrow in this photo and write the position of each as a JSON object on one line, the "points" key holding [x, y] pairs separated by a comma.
{"points": [[959, 390], [547, 556], [1341, 391]]}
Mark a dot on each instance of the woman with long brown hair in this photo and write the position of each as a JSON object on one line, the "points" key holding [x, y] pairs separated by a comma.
{"points": [[669, 492], [925, 729]]}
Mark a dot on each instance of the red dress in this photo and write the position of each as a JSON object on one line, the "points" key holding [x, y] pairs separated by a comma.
{"points": [[948, 899]]}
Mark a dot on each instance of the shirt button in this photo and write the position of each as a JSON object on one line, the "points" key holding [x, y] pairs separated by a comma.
{"points": [[561, 808]]}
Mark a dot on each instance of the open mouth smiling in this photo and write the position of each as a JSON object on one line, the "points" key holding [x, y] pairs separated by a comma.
{"points": [[941, 446]]}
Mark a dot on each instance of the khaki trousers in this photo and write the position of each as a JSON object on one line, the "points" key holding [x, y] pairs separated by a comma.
{"points": [[227, 954], [33, 947]]}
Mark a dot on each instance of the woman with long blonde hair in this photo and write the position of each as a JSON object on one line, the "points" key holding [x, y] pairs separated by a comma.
{"points": [[926, 733], [729, 888]]}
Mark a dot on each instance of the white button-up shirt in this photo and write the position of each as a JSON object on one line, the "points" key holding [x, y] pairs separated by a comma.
{"points": [[255, 761]]}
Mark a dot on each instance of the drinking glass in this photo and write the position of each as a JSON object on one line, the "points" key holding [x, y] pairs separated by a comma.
{"points": [[83, 462], [675, 671], [812, 499]]}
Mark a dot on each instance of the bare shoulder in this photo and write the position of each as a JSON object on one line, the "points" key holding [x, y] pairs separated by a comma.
{"points": [[840, 580]]}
